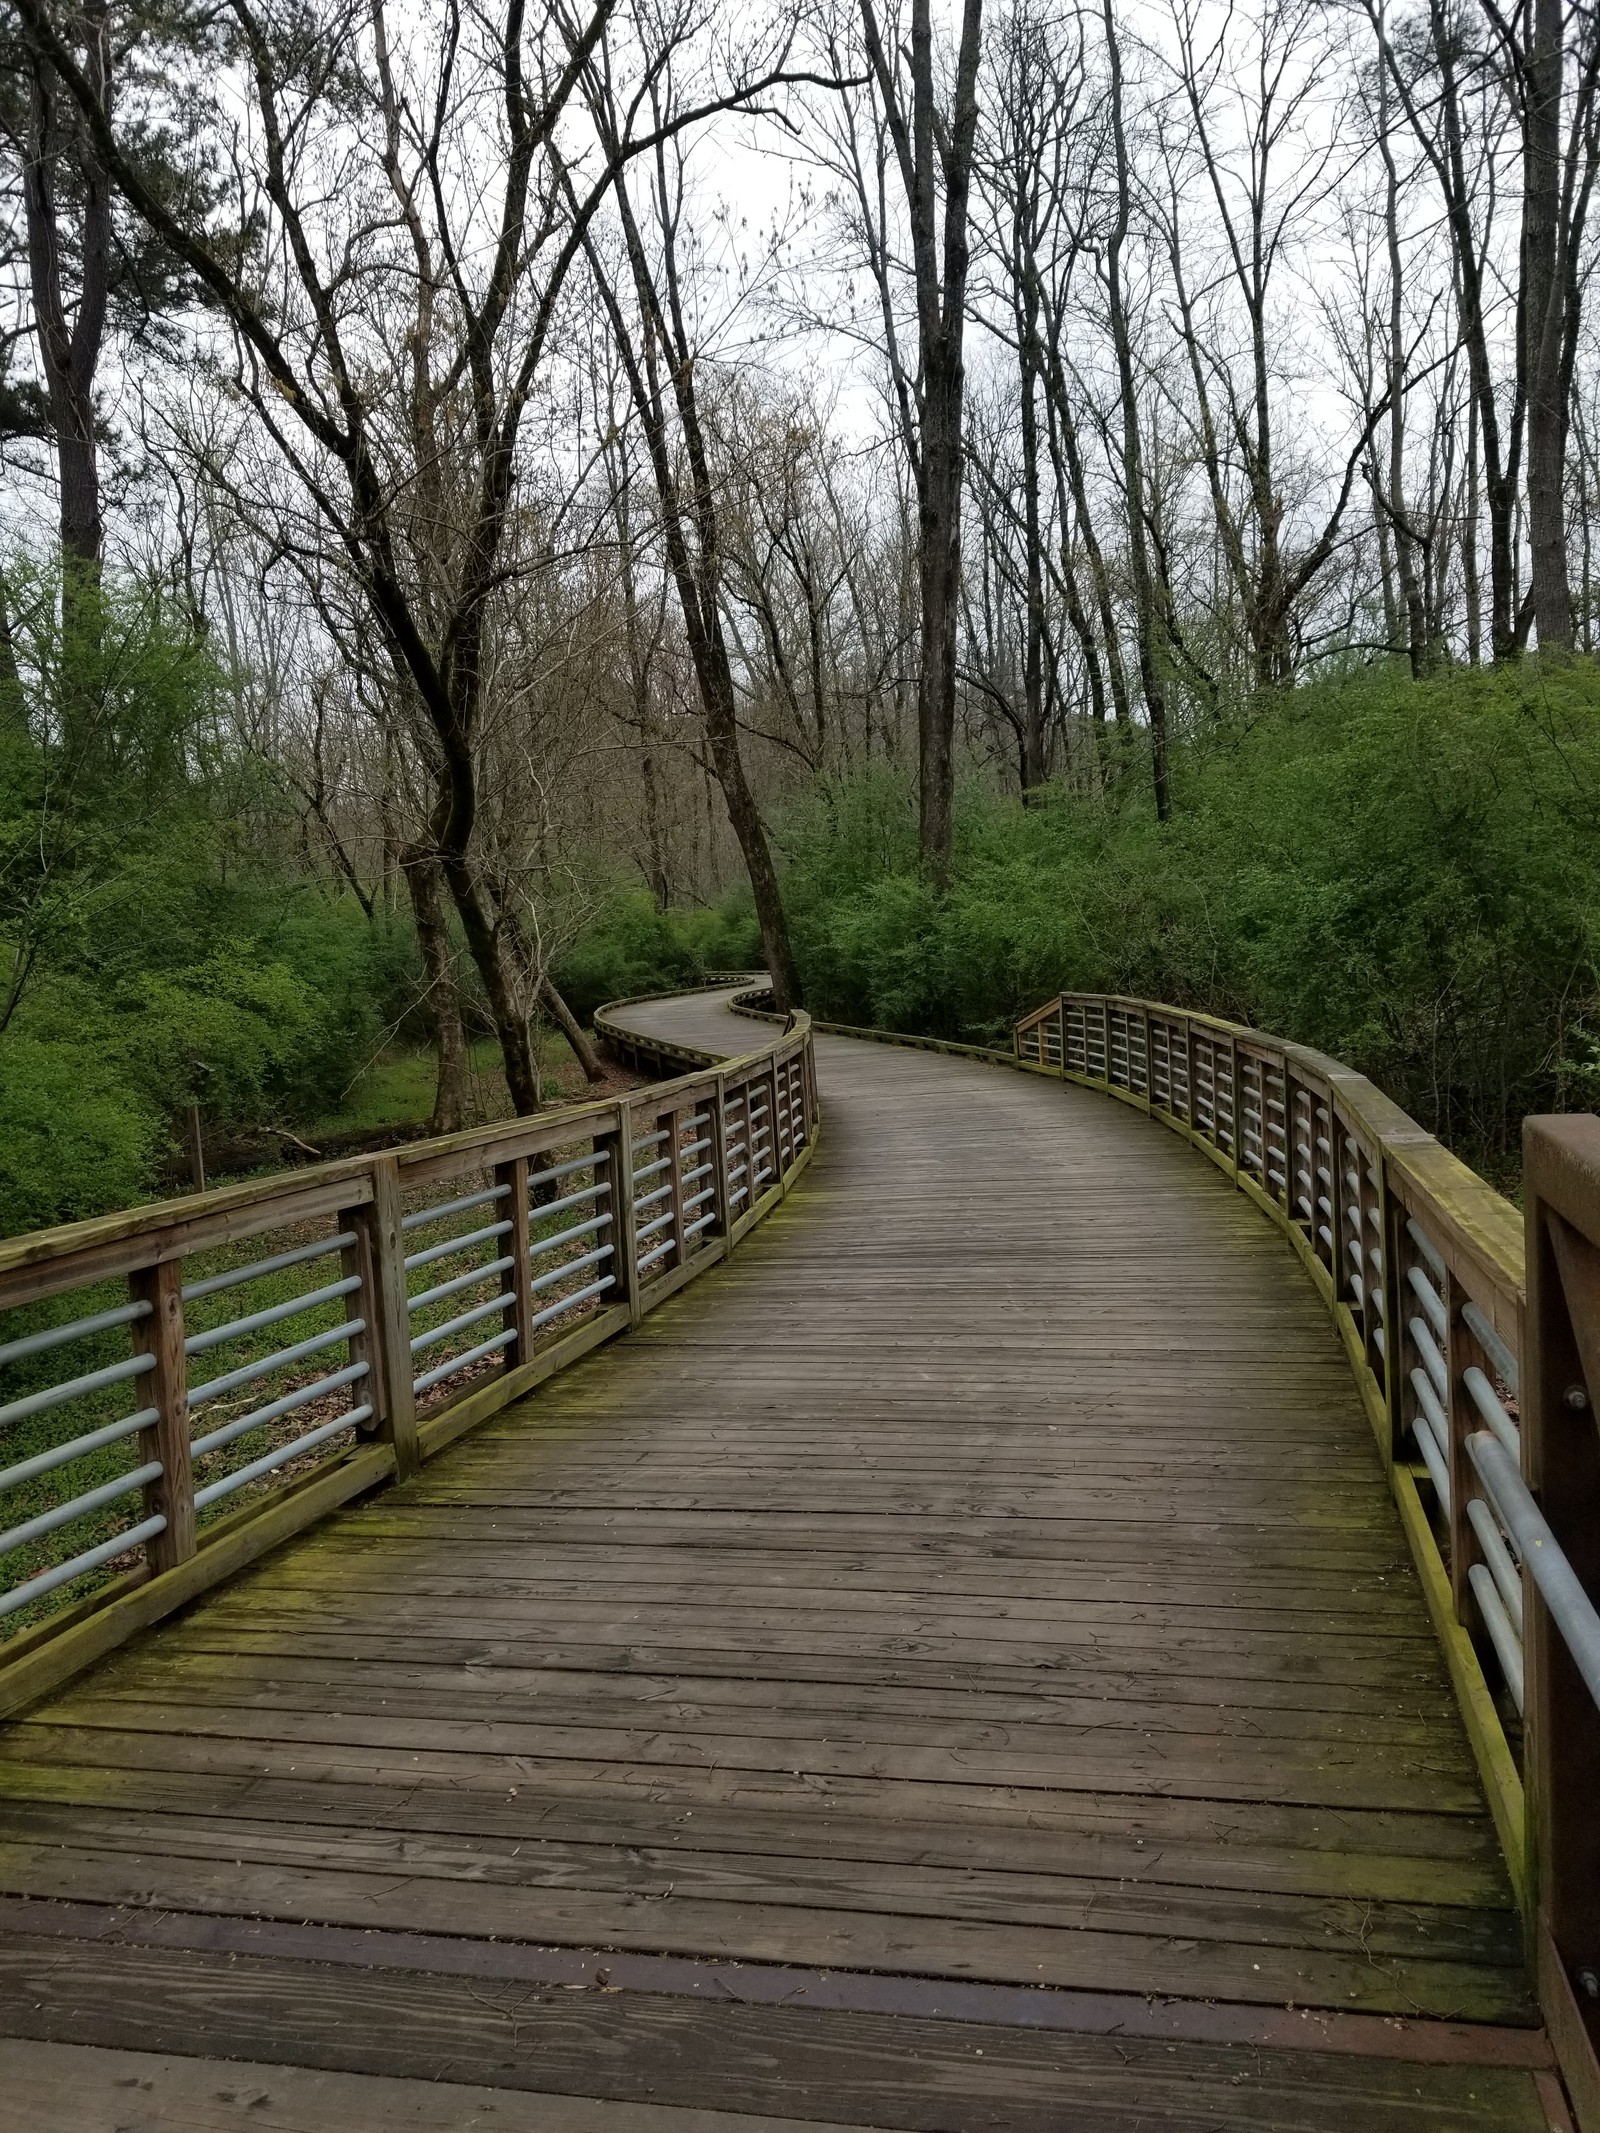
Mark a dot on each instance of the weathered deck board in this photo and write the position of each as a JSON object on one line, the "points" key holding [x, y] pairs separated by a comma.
{"points": [[987, 1575], [678, 2054]]}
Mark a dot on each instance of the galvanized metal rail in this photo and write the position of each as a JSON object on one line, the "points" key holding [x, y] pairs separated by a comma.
{"points": [[1482, 1389], [467, 1270]]}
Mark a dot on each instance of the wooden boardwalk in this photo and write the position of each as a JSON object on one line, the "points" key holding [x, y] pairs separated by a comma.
{"points": [[956, 1666]]}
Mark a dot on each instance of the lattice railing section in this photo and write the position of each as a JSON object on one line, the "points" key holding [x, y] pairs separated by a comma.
{"points": [[1483, 1398], [170, 1374]]}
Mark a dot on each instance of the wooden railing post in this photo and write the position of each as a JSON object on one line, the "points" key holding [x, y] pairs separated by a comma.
{"points": [[519, 1285], [618, 1146], [359, 1260], [166, 1389], [386, 1307], [1560, 1401], [722, 1213], [673, 1148]]}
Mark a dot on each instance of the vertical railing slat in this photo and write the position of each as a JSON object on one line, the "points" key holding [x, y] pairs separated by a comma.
{"points": [[624, 1221], [519, 1275], [356, 1262], [391, 1317], [165, 1388]]}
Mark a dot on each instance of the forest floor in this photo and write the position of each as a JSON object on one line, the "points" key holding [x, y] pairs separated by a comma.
{"points": [[392, 1100], [395, 1093]]}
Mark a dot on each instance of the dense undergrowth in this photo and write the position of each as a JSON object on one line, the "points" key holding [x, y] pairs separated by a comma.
{"points": [[161, 940], [1406, 876]]}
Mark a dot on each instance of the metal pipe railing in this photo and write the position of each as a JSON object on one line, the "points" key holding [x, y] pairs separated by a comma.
{"points": [[79, 1460], [1483, 1401]]}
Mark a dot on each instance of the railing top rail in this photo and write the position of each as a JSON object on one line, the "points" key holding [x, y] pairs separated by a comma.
{"points": [[173, 1223]]}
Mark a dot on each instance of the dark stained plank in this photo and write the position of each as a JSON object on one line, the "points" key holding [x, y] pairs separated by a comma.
{"points": [[888, 2071], [1401, 1857], [80, 2088], [1145, 1902]]}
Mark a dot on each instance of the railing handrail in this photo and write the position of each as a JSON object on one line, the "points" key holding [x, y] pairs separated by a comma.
{"points": [[1474, 1335], [601, 1208]]}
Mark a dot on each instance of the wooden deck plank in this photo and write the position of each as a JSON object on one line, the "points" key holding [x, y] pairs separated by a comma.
{"points": [[80, 2088], [888, 2071], [986, 1575]]}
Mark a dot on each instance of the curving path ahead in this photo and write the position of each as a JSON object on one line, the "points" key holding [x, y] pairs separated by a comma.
{"points": [[955, 1666]]}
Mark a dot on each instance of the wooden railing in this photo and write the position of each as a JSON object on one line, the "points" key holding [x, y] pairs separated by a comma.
{"points": [[1482, 1391], [185, 1384]]}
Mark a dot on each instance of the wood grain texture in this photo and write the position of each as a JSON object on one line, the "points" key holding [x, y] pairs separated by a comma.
{"points": [[985, 1574], [905, 2072], [79, 2088]]}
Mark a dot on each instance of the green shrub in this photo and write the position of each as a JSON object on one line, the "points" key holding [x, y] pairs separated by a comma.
{"points": [[74, 1138], [160, 939], [635, 948], [1406, 876]]}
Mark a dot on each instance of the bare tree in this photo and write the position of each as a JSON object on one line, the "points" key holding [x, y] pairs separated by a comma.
{"points": [[306, 358], [656, 340], [933, 151]]}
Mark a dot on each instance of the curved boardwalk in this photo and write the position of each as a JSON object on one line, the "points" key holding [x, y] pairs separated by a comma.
{"points": [[984, 1583]]}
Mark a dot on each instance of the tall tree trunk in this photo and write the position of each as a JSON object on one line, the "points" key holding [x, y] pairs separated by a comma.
{"points": [[1064, 442], [655, 843], [1386, 580], [425, 885], [639, 685], [1033, 747], [1405, 545], [1543, 304], [690, 530], [924, 150], [1500, 457], [70, 347], [1151, 676], [487, 944], [1471, 588], [939, 587]]}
